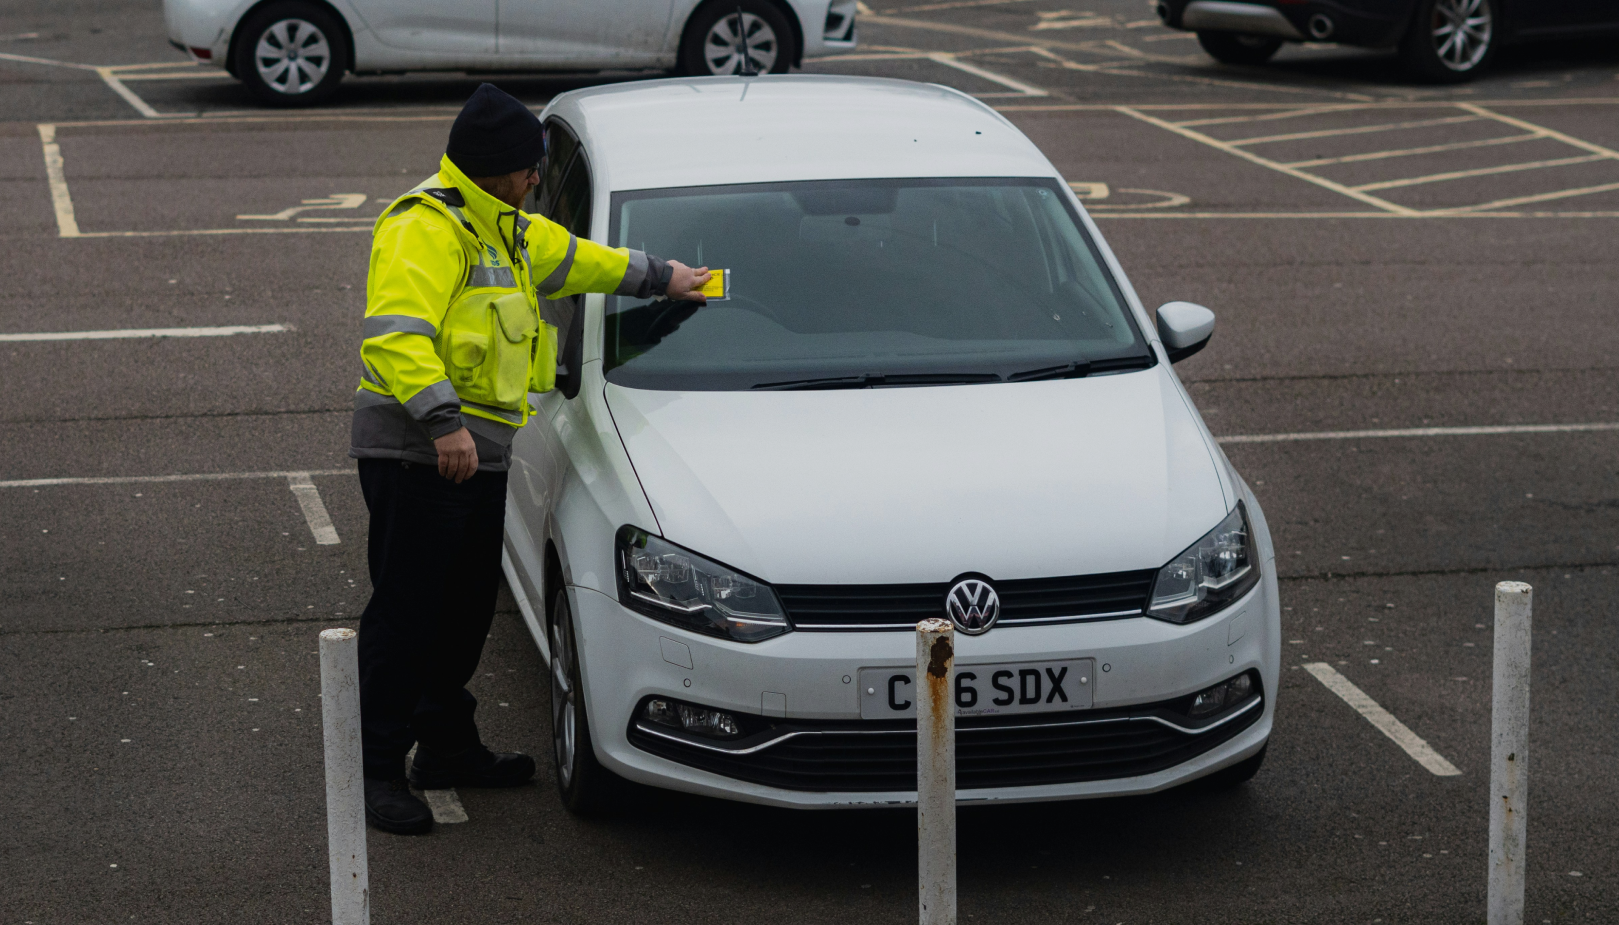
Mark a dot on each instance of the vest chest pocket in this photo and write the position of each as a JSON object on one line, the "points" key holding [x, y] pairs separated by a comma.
{"points": [[486, 343]]}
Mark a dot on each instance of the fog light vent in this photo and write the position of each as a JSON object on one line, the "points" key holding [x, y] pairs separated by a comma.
{"points": [[1227, 693], [697, 720]]}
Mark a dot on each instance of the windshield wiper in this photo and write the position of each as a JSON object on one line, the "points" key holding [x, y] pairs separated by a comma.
{"points": [[1082, 368], [867, 380]]}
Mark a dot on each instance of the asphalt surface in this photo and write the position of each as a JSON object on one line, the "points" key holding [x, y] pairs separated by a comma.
{"points": [[159, 724]]}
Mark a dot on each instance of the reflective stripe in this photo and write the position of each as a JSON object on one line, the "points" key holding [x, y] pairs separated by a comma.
{"points": [[378, 325], [559, 276], [370, 375], [634, 274], [439, 393], [515, 418], [500, 277]]}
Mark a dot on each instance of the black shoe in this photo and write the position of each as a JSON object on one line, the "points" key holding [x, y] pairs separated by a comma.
{"points": [[391, 807], [475, 767]]}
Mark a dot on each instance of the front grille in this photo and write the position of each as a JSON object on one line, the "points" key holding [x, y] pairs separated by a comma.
{"points": [[1002, 751], [1023, 601]]}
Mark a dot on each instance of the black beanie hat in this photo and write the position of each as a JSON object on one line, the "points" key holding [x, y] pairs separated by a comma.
{"points": [[494, 135]]}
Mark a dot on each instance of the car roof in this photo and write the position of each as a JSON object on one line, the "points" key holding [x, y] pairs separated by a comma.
{"points": [[710, 131]]}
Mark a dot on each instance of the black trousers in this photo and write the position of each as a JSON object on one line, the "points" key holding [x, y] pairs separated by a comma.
{"points": [[435, 570]]}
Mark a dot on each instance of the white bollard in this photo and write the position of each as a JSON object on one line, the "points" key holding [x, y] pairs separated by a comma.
{"points": [[345, 777], [1509, 752], [936, 771]]}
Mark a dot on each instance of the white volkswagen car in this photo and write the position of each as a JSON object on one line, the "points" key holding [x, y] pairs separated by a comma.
{"points": [[294, 52], [929, 390]]}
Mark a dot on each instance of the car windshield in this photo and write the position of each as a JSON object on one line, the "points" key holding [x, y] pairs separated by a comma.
{"points": [[863, 283]]}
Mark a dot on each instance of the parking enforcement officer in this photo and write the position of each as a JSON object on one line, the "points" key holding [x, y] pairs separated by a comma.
{"points": [[453, 344]]}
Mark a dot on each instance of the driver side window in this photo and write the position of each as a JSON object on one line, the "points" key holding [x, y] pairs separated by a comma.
{"points": [[564, 197]]}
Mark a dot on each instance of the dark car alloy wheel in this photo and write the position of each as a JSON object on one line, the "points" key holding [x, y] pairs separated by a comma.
{"points": [[1450, 40]]}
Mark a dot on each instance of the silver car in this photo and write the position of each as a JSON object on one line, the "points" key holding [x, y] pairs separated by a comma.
{"points": [[294, 52]]}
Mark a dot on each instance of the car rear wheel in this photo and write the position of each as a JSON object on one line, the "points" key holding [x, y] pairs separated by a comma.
{"points": [[586, 788], [714, 40], [1236, 48], [291, 54], [1449, 40]]}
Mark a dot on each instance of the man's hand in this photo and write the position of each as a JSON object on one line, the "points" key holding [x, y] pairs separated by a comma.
{"points": [[457, 456], [685, 282]]}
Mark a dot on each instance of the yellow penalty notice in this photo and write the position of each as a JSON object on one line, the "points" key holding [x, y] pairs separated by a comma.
{"points": [[718, 286]]}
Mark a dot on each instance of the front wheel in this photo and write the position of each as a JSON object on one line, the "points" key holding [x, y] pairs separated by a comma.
{"points": [[586, 788], [1449, 40], [725, 37], [1236, 48], [291, 54]]}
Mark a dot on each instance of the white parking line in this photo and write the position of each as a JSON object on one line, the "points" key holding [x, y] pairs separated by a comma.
{"points": [[155, 479], [127, 333], [446, 806], [67, 225], [949, 60], [1420, 432], [320, 522], [1385, 722], [1354, 130]]}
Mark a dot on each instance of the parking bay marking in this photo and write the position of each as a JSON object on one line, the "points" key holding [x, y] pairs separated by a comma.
{"points": [[1484, 431], [133, 333], [309, 502], [1413, 744]]}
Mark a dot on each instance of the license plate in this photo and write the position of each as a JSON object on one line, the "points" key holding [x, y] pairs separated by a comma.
{"points": [[985, 690]]}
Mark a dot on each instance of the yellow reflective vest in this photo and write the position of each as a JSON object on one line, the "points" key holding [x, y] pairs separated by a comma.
{"points": [[452, 334]]}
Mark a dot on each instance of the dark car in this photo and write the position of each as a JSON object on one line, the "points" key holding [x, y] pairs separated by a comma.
{"points": [[1438, 40]]}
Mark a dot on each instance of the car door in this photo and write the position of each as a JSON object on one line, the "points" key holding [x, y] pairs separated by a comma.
{"points": [[442, 30], [538, 451], [1551, 17], [602, 33]]}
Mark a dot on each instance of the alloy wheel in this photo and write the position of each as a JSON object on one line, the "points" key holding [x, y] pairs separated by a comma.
{"points": [[564, 714], [723, 47], [1462, 30], [292, 56]]}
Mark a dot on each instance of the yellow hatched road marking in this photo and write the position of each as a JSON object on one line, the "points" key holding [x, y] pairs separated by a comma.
{"points": [[1481, 172], [1407, 152], [1525, 200], [1357, 130], [1540, 129], [1230, 148], [1270, 116]]}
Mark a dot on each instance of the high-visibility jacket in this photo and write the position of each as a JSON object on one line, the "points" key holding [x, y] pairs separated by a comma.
{"points": [[453, 335]]}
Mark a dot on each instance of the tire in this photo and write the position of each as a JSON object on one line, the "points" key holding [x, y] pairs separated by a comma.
{"points": [[1449, 41], [291, 54], [1235, 776], [586, 788], [1237, 48], [709, 46]]}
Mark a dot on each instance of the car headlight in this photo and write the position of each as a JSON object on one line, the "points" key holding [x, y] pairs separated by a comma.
{"points": [[675, 585], [1214, 572]]}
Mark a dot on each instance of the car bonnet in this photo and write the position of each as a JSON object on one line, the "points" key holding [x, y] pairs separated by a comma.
{"points": [[879, 485]]}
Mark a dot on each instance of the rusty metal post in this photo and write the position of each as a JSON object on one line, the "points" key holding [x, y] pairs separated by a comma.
{"points": [[936, 771], [345, 777], [1509, 752]]}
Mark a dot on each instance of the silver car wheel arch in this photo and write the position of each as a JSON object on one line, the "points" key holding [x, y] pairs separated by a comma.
{"points": [[292, 56]]}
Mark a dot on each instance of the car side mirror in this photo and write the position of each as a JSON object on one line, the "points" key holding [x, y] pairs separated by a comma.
{"points": [[1185, 328]]}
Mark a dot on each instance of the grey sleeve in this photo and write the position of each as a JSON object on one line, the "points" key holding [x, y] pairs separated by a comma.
{"points": [[445, 419], [645, 277]]}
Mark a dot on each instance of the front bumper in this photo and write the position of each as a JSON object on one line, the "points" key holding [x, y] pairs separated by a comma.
{"points": [[807, 678]]}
